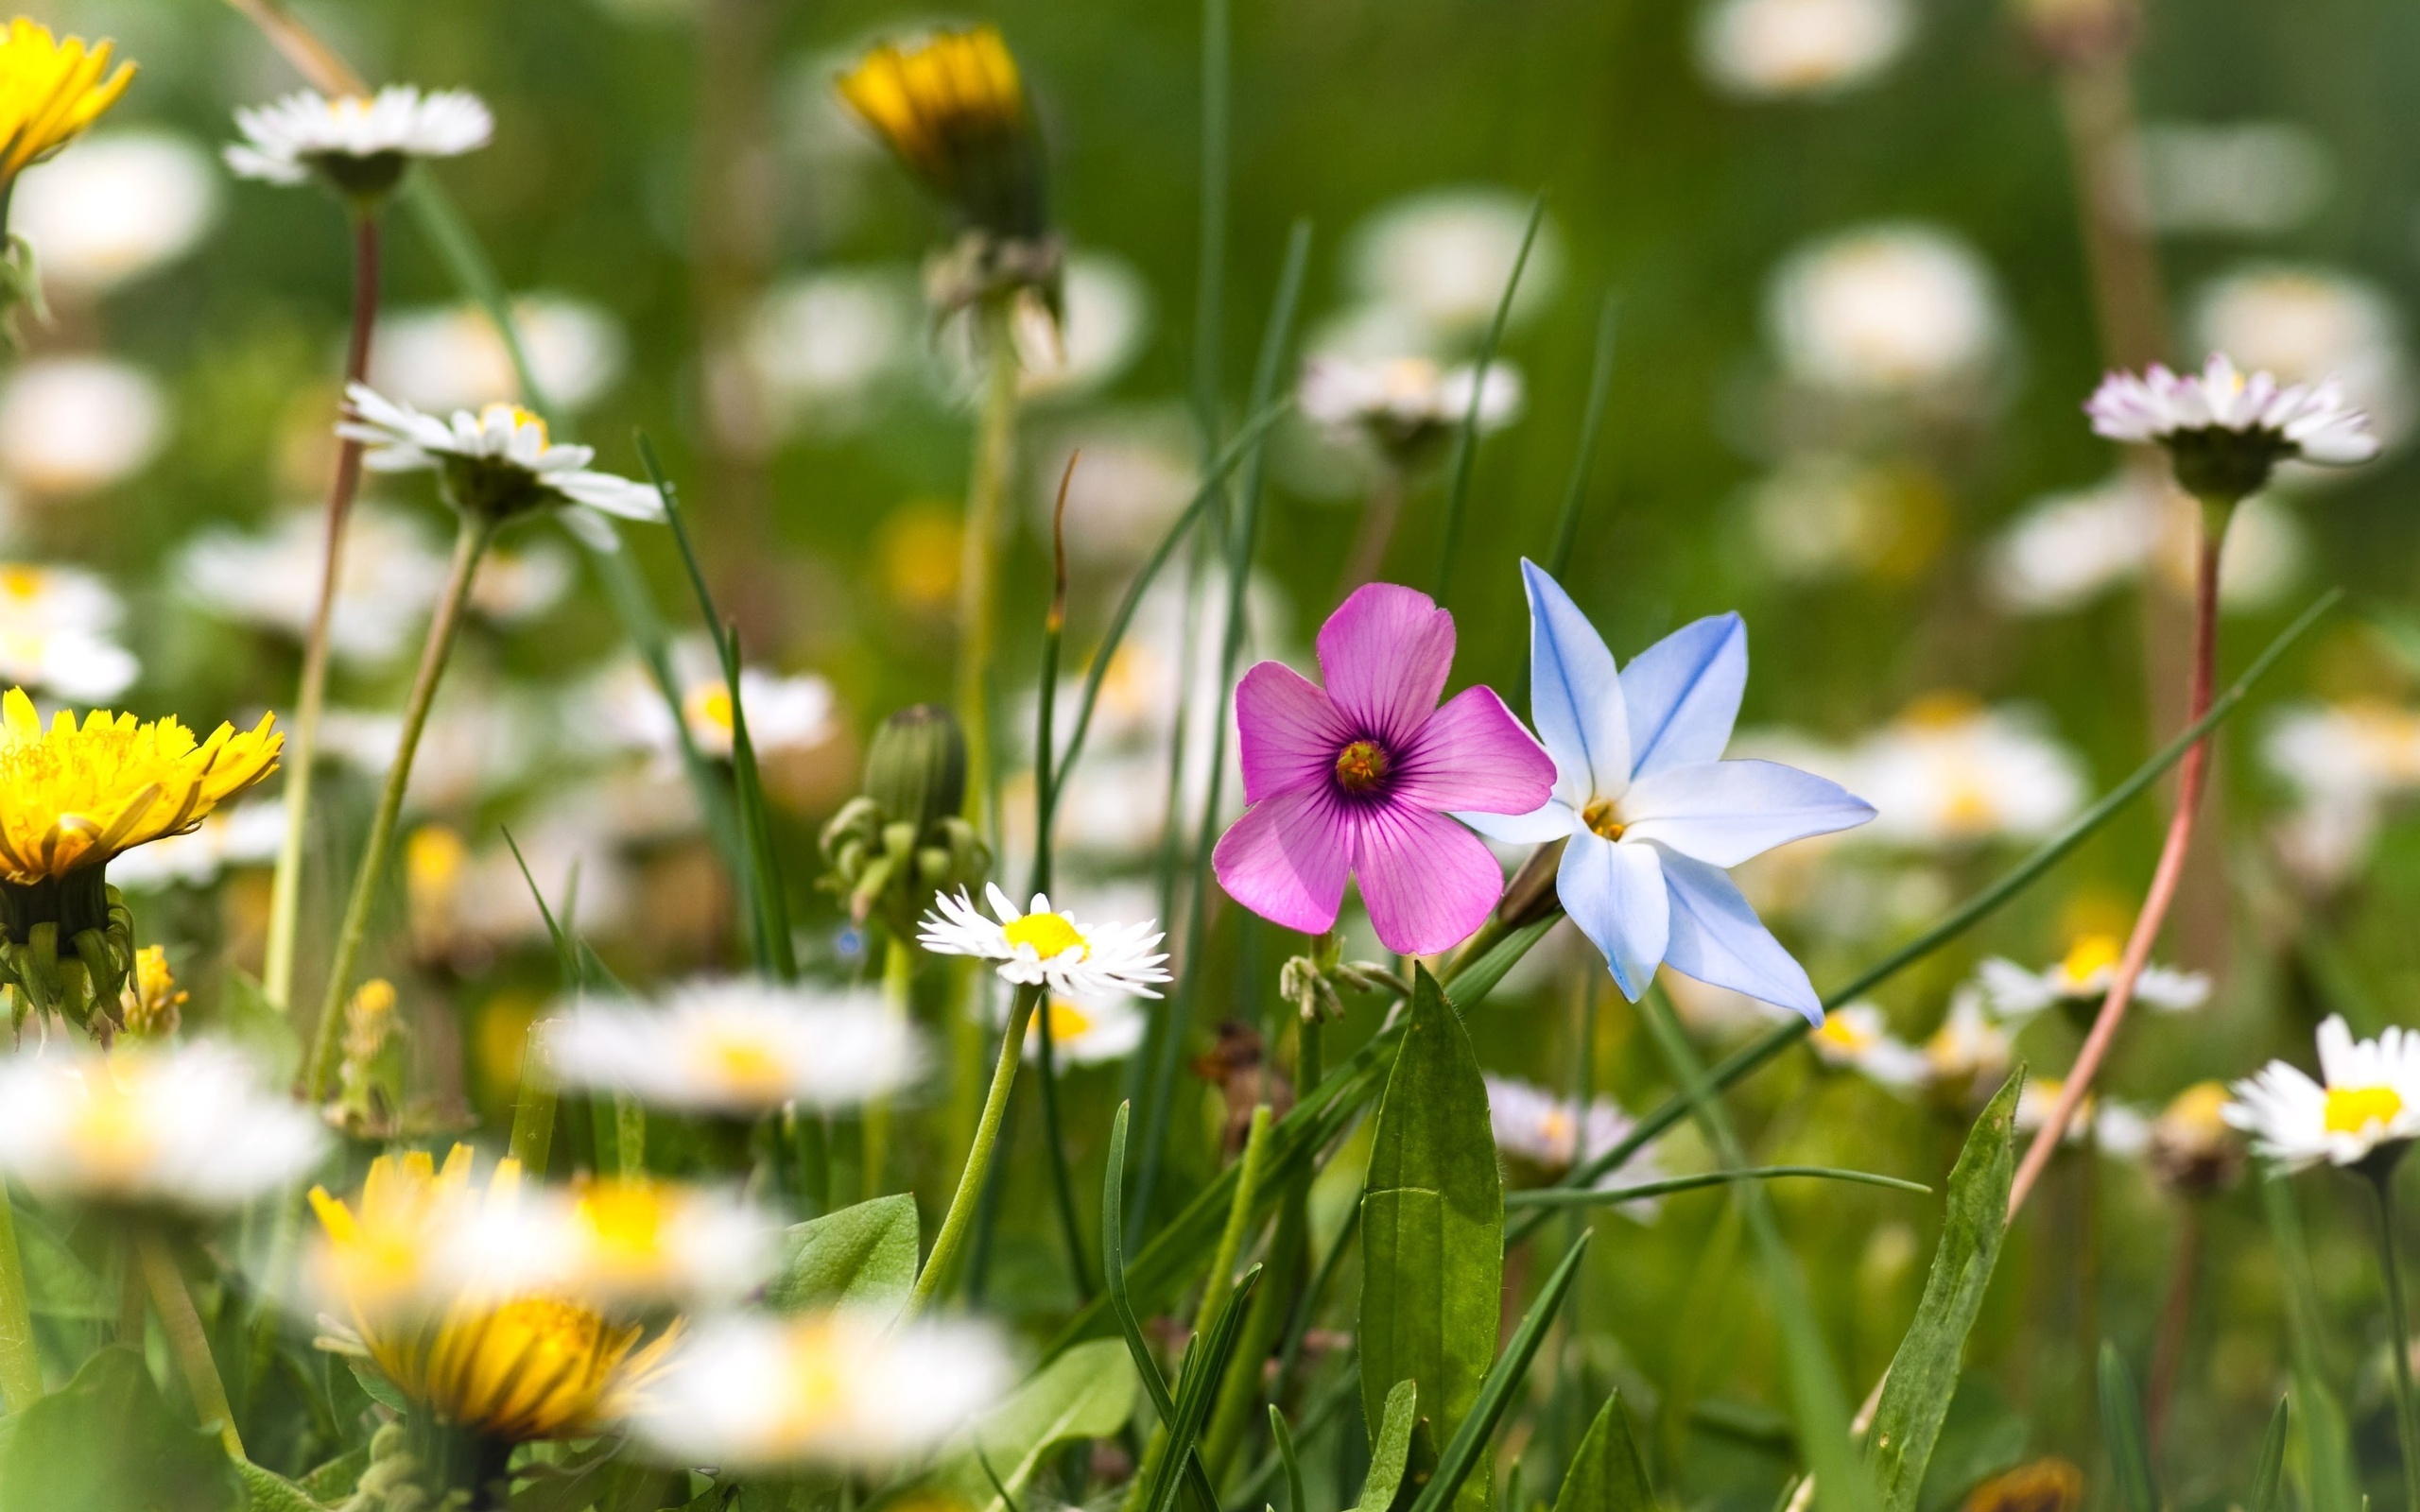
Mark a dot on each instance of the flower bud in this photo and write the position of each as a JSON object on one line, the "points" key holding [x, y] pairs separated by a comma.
{"points": [[916, 767]]}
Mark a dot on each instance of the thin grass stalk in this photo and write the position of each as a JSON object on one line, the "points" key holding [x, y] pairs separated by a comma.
{"points": [[469, 544], [1466, 440], [2165, 877], [1592, 419], [20, 1361], [286, 890], [1046, 801], [979, 555], [979, 1160], [2407, 1407], [1210, 286], [188, 1341], [2175, 1321]]}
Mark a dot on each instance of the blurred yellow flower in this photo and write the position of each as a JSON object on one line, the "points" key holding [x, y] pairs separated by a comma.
{"points": [[953, 108], [73, 797], [50, 90], [149, 1004]]}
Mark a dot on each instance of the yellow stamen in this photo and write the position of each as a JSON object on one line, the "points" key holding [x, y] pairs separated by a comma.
{"points": [[1361, 766], [1598, 817], [1050, 934], [2351, 1109]]}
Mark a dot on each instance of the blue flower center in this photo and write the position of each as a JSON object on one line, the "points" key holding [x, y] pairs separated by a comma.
{"points": [[1598, 817]]}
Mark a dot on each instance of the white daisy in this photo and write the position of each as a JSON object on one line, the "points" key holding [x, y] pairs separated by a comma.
{"points": [[1893, 310], [740, 1046], [2082, 977], [1403, 403], [2224, 430], [841, 1389], [2308, 324], [639, 1242], [825, 349], [1856, 1037], [444, 357], [2119, 1129], [498, 462], [1971, 1048], [55, 625], [1044, 946], [785, 712], [1771, 49], [1949, 771], [1082, 1033], [360, 144], [71, 425], [522, 582], [120, 205], [1444, 256], [386, 582], [190, 1128], [2367, 1101], [1534, 1125]]}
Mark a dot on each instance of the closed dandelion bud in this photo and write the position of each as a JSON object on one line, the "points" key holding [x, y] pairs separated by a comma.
{"points": [[916, 767], [892, 848], [951, 107], [149, 1004], [2193, 1152], [2044, 1485]]}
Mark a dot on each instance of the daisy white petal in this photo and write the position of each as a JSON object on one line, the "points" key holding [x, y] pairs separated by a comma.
{"points": [[740, 1046], [2367, 1101], [1049, 947]]}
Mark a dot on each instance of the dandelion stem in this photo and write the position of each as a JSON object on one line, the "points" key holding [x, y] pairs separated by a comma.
{"points": [[1379, 512], [994, 432], [1046, 802], [470, 546], [898, 991], [978, 1158], [20, 1366], [2407, 1413], [285, 896], [186, 1340], [2165, 878]]}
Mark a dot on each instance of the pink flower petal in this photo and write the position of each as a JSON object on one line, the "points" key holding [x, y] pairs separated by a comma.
{"points": [[1429, 882], [1384, 654], [1286, 860], [1290, 731], [1473, 755]]}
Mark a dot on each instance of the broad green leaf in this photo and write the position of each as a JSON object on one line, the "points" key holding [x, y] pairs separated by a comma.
{"points": [[2271, 1467], [1467, 1450], [374, 1383], [1605, 1473], [58, 1284], [267, 1491], [1394, 1450], [863, 1256], [107, 1440], [1923, 1373], [2121, 1434], [1087, 1393], [1432, 1222], [336, 1479], [2327, 1443]]}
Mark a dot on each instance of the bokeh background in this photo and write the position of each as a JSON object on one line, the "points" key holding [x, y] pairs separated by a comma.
{"points": [[1850, 247]]}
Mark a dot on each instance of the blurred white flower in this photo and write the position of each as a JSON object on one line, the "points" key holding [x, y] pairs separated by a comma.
{"points": [[2343, 763], [740, 1046], [636, 1241], [1107, 322], [386, 583], [1971, 1049], [1855, 1037], [2065, 550], [521, 581], [481, 738], [189, 1128], [56, 626], [2081, 978], [1819, 516], [2367, 1098], [1444, 256], [120, 205], [1136, 475], [2121, 1131], [837, 1389], [1545, 1129], [1893, 310], [824, 348], [1404, 405], [1950, 771], [465, 904], [287, 139], [242, 836], [2312, 325], [2248, 178], [69, 425], [785, 712], [441, 358], [1084, 1031], [1764, 49]]}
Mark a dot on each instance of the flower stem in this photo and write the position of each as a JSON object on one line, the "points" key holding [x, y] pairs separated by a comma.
{"points": [[995, 430], [186, 1340], [2175, 1320], [1379, 512], [898, 985], [2407, 1413], [285, 896], [2165, 877], [1062, 1183], [20, 1366], [470, 546], [978, 1158]]}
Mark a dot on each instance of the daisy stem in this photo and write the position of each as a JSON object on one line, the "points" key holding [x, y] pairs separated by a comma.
{"points": [[994, 432], [470, 546], [285, 896], [20, 1366], [978, 1157], [186, 1339], [2191, 774], [2407, 1414]]}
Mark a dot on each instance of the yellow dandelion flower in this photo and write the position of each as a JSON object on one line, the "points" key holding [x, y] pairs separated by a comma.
{"points": [[50, 90], [150, 1002], [953, 108]]}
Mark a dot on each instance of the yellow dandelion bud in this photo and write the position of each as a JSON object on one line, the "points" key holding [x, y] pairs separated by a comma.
{"points": [[953, 108], [2044, 1485], [150, 1003], [50, 90]]}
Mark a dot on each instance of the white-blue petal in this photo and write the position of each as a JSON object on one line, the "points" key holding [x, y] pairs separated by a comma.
{"points": [[1550, 821], [1718, 938], [1575, 695], [1616, 894], [1724, 812], [1683, 693]]}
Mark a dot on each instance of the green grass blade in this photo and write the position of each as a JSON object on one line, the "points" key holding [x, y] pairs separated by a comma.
{"points": [[1464, 1450], [1466, 440], [1606, 1474], [1391, 1453], [2268, 1474], [1205, 1367], [1210, 289], [1113, 1262], [2327, 1437], [1613, 1196], [1575, 491], [1284, 1439], [2122, 1429]]}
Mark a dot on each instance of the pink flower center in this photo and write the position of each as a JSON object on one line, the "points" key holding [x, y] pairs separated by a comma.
{"points": [[1362, 766]]}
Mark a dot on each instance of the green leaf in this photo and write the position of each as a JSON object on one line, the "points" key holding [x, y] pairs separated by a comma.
{"points": [[1923, 1373], [863, 1256], [2121, 1432], [1197, 1388], [2327, 1442], [1432, 1224], [1605, 1473], [58, 1284], [1467, 1450], [1477, 980], [374, 1383], [2271, 1467], [247, 1016], [336, 1479], [1615, 1197], [107, 1440], [267, 1491], [1297, 1500], [1087, 1393], [1394, 1450]]}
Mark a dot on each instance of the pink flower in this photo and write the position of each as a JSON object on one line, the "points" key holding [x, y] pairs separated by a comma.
{"points": [[1357, 778]]}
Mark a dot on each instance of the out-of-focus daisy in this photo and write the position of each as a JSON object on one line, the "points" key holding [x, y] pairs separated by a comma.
{"points": [[1768, 49], [55, 625], [2366, 1103], [189, 1129], [635, 1240], [826, 347], [2343, 763], [498, 463], [1855, 1037], [1404, 406], [1136, 475], [1899, 309], [481, 738], [740, 1046], [245, 836], [1085, 1033], [386, 583], [71, 425], [785, 712], [2224, 431], [1445, 255], [1044, 946], [50, 90], [2193, 1149], [360, 144], [2243, 178], [1105, 318], [1549, 1131], [465, 905], [124, 204], [831, 1389], [2082, 979], [2065, 549], [439, 358], [521, 582], [2120, 1130], [1949, 771], [1970, 1053], [1821, 516], [2312, 325]]}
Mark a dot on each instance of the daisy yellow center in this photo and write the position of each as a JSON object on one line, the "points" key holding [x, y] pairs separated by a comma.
{"points": [[1557, 1129], [2092, 955], [742, 1060], [518, 418], [111, 1132], [1362, 766], [1069, 1021], [819, 1380], [1598, 817], [21, 583], [1969, 810], [2351, 1109], [710, 705], [1841, 1034], [627, 1220], [1050, 934]]}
